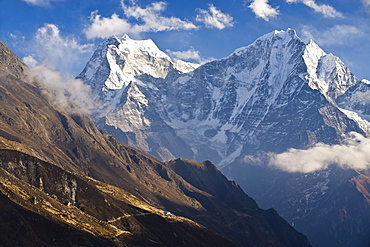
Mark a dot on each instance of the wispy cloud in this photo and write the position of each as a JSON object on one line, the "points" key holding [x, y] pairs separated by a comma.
{"points": [[62, 53], [327, 10], [64, 91], [17, 36], [214, 18], [151, 20], [40, 2], [188, 55], [53, 58], [337, 35], [366, 4], [262, 9], [30, 61], [354, 153]]}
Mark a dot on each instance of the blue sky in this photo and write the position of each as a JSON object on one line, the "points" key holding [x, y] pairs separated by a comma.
{"points": [[62, 34]]}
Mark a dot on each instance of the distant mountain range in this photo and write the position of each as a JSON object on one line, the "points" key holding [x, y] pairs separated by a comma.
{"points": [[275, 94], [63, 182]]}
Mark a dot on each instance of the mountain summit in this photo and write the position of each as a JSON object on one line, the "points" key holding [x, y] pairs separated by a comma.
{"points": [[123, 60], [275, 94]]}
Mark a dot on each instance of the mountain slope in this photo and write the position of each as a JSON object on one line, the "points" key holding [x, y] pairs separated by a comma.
{"points": [[68, 182], [205, 176], [272, 95], [92, 212]]}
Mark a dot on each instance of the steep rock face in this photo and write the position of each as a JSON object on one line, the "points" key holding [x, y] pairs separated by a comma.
{"points": [[275, 94], [9, 63], [64, 180]]}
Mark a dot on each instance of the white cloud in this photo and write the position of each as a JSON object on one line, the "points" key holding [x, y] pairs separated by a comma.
{"points": [[153, 20], [63, 53], [106, 26], [263, 9], [327, 10], [40, 2], [354, 153], [337, 35], [188, 55], [214, 18], [150, 18], [17, 36], [53, 58], [366, 4], [30, 61], [12, 35], [63, 90]]}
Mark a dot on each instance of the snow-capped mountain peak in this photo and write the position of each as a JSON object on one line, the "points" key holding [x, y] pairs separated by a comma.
{"points": [[326, 72], [130, 46], [117, 62], [125, 37], [284, 37]]}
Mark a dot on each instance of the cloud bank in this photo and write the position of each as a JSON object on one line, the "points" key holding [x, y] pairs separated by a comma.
{"points": [[327, 10], [214, 18], [150, 19], [262, 9], [354, 153]]}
